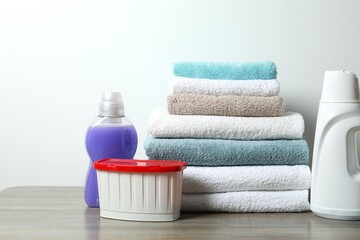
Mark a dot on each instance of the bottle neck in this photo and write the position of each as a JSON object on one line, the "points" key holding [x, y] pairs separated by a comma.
{"points": [[111, 121], [111, 112]]}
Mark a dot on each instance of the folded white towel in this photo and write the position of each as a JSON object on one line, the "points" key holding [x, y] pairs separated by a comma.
{"points": [[225, 87], [245, 178], [252, 201], [161, 124]]}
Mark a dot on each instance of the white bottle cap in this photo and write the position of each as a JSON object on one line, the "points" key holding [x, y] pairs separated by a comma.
{"points": [[111, 105], [340, 86]]}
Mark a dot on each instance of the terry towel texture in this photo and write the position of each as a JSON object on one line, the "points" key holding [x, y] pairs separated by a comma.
{"points": [[263, 88], [217, 152], [231, 71], [246, 178], [252, 201], [226, 105], [161, 124]]}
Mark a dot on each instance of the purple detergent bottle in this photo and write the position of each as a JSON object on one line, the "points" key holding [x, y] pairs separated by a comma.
{"points": [[111, 135]]}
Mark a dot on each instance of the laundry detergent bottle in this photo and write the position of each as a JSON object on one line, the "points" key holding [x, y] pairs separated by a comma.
{"points": [[111, 135], [335, 184]]}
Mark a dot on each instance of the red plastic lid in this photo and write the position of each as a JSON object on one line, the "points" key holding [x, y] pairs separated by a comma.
{"points": [[133, 165]]}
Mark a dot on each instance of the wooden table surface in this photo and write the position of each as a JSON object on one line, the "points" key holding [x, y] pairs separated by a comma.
{"points": [[60, 213]]}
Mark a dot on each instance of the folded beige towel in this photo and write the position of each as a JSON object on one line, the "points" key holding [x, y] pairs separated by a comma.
{"points": [[225, 105]]}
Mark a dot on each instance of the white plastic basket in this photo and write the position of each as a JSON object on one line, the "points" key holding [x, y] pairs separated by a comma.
{"points": [[140, 190]]}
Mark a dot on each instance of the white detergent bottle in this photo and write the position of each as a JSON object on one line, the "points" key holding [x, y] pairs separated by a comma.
{"points": [[335, 184]]}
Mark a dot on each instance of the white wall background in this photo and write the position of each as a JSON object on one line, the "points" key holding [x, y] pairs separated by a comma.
{"points": [[57, 57]]}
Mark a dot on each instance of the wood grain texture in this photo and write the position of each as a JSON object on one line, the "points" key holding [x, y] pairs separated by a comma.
{"points": [[60, 213]]}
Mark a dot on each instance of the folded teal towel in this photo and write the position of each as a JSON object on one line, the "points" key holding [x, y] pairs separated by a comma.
{"points": [[218, 152], [228, 71]]}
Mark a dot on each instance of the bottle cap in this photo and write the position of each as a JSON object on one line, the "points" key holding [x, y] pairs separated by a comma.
{"points": [[340, 86], [111, 105]]}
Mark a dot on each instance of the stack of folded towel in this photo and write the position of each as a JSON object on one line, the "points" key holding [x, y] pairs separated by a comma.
{"points": [[244, 152]]}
